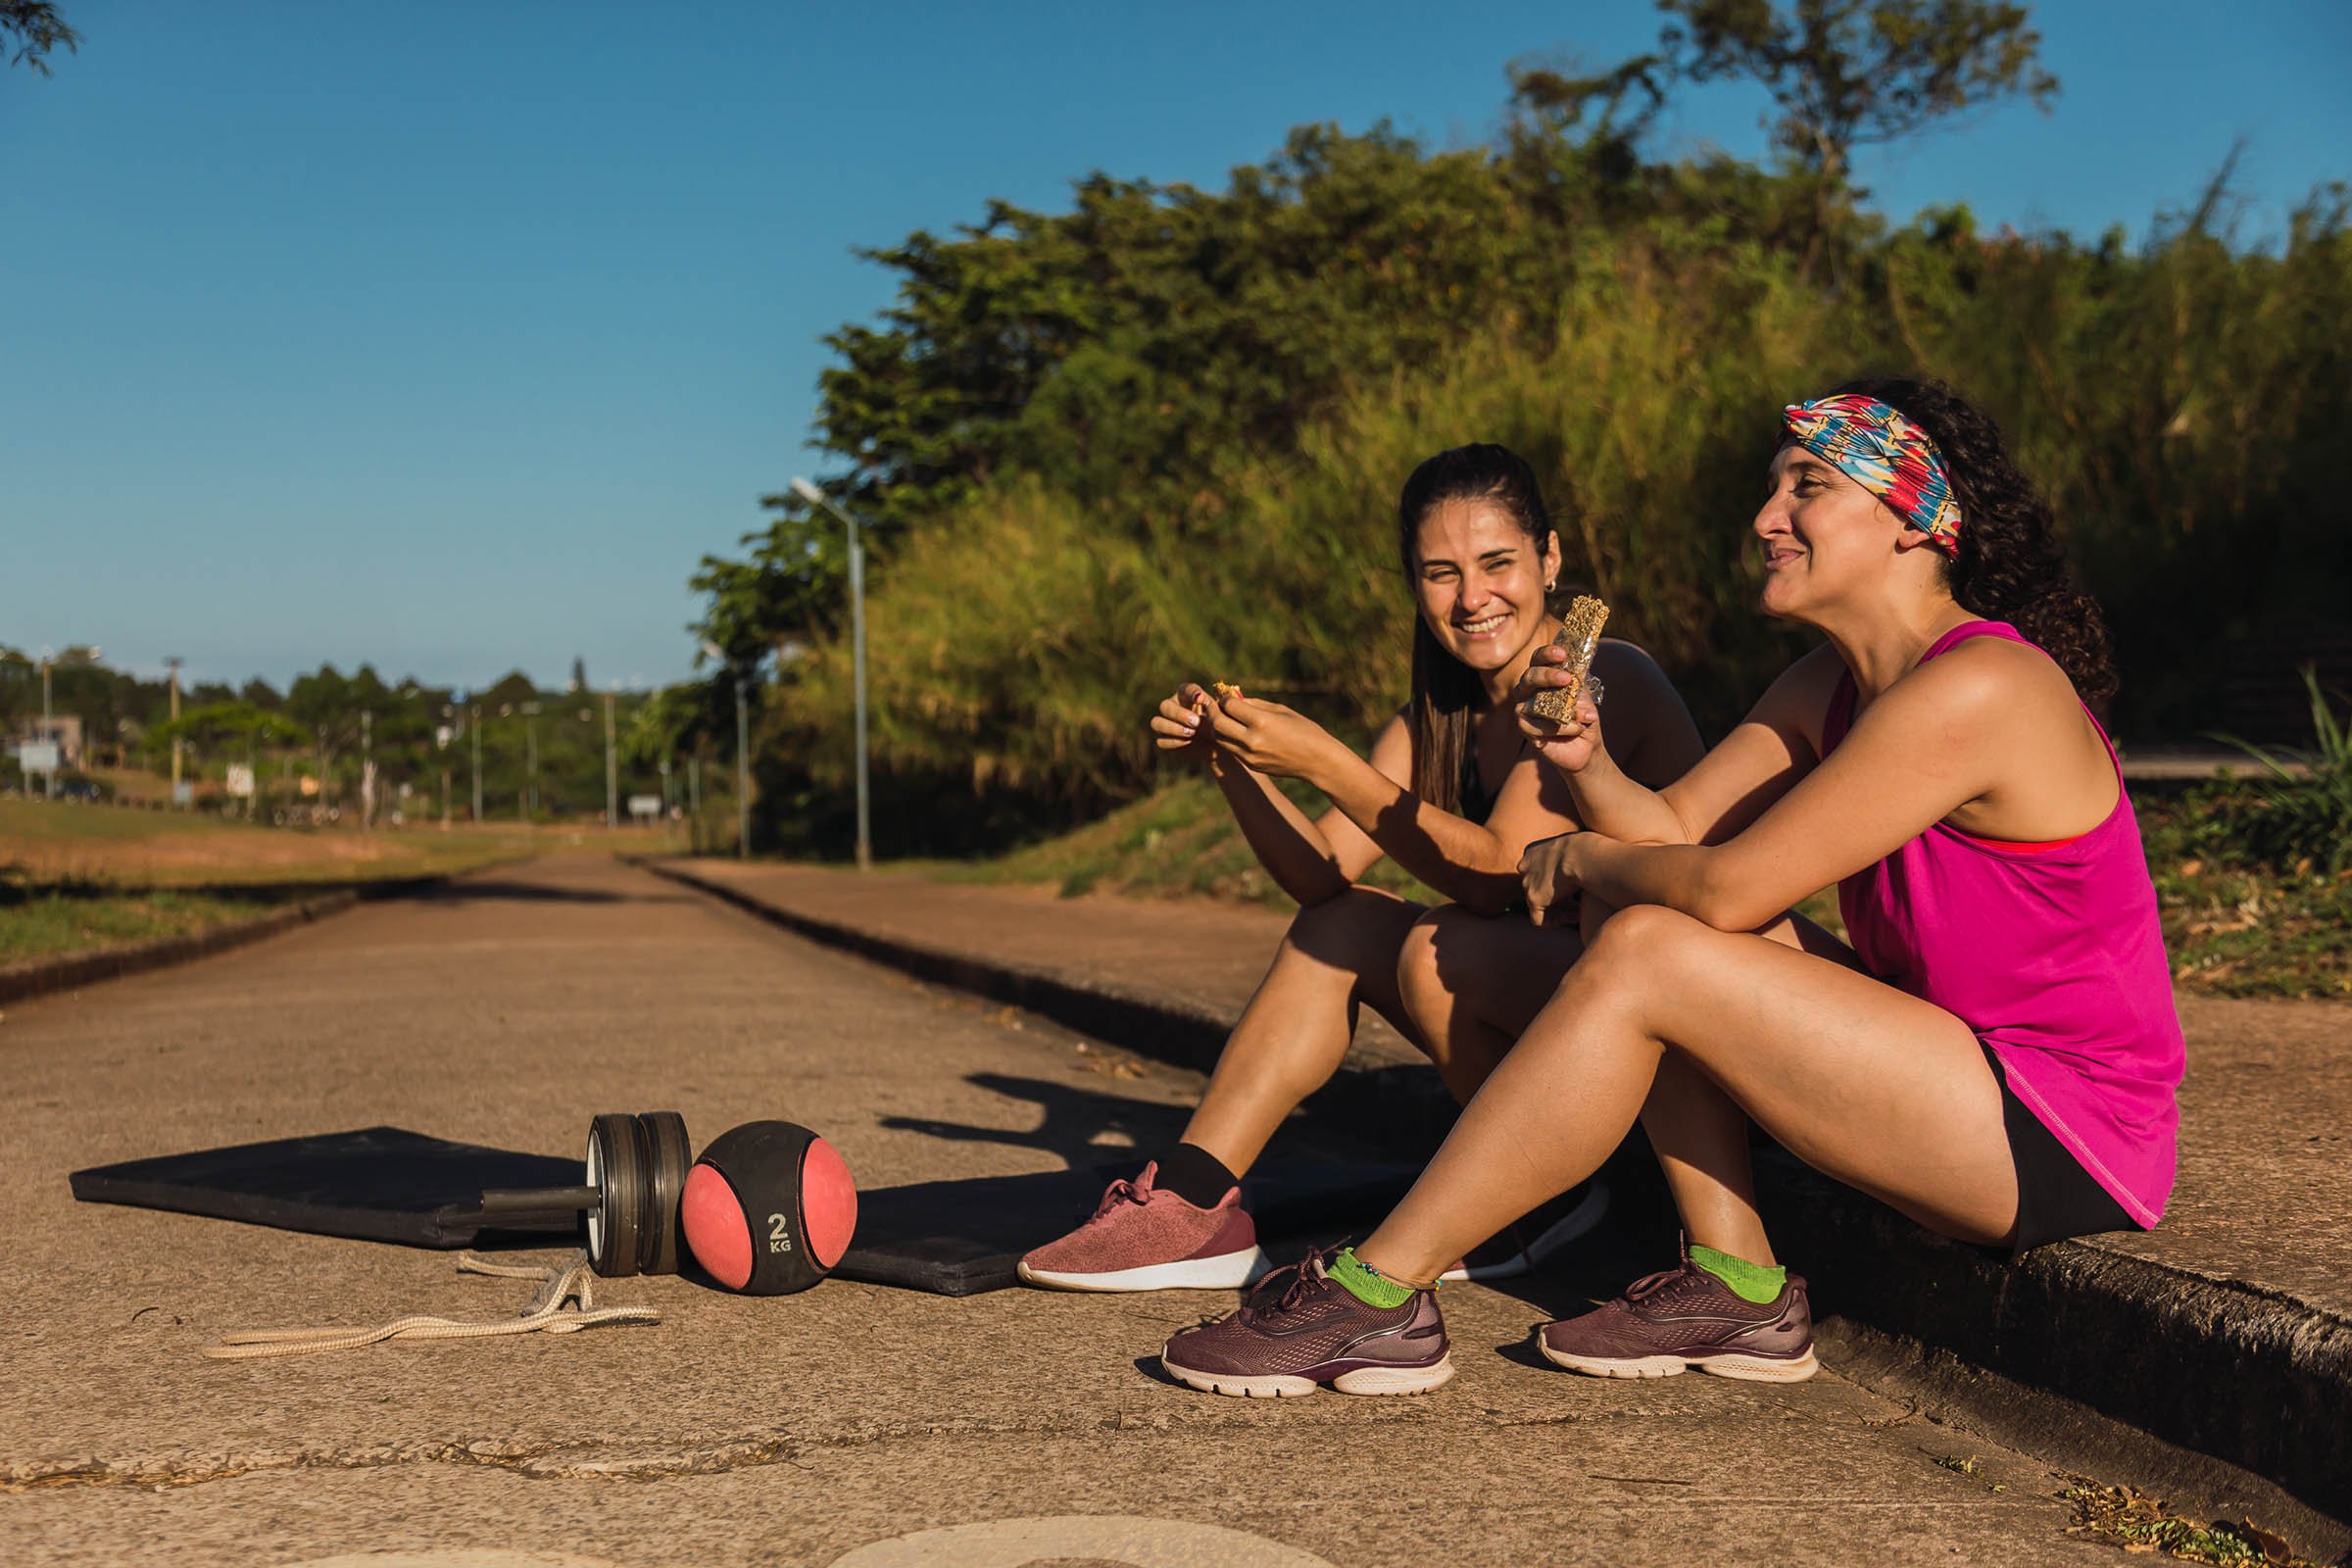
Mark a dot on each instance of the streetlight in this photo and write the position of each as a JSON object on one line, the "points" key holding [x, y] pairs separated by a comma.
{"points": [[449, 714], [172, 664], [743, 756], [530, 737], [818, 498], [612, 765], [48, 724]]}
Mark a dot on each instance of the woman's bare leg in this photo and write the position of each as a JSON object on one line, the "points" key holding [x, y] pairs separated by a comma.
{"points": [[1296, 1030], [1471, 984], [1873, 1087], [1700, 1133]]}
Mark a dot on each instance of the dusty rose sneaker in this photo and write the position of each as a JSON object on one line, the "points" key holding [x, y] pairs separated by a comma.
{"points": [[1686, 1317], [1302, 1329], [1528, 1244], [1141, 1239]]}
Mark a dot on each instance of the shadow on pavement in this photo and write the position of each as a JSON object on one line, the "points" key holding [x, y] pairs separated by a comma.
{"points": [[1075, 1122], [479, 890]]}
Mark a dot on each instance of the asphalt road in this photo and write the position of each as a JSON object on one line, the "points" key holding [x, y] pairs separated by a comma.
{"points": [[853, 1423]]}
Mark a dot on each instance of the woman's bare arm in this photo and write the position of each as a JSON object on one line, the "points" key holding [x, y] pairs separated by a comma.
{"points": [[1758, 763], [1937, 740]]}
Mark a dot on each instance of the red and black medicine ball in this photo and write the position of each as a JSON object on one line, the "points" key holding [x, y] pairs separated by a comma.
{"points": [[770, 1208]]}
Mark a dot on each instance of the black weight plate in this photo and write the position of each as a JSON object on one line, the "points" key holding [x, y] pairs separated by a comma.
{"points": [[673, 1158], [617, 1167]]}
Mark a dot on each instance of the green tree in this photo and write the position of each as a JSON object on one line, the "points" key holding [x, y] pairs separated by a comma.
{"points": [[793, 584], [1848, 74], [35, 28]]}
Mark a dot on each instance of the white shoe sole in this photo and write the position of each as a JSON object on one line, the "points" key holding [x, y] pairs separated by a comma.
{"points": [[1747, 1368], [1368, 1380], [1568, 1228], [1229, 1271]]}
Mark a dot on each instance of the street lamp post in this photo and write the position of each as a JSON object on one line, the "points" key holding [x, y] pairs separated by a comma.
{"points": [[89, 654], [172, 664], [818, 498], [473, 722], [743, 755], [612, 769], [48, 731], [530, 739]]}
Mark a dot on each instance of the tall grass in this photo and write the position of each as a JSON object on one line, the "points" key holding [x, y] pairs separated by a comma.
{"points": [[2182, 405]]}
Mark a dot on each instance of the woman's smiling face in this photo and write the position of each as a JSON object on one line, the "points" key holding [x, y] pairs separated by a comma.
{"points": [[1480, 581], [1824, 536]]}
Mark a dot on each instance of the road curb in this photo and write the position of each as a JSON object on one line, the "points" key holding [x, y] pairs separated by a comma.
{"points": [[2254, 1385], [2249, 1377], [70, 971]]}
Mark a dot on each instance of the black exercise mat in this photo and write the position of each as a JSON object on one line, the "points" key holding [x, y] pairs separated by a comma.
{"points": [[952, 1238], [961, 1238], [376, 1184]]}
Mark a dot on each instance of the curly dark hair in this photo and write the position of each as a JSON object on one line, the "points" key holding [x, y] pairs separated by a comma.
{"points": [[2011, 565]]}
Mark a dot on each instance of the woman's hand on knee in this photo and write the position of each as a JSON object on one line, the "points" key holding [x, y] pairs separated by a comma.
{"points": [[1547, 871]]}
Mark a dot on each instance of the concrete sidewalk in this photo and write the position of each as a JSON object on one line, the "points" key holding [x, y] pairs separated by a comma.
{"points": [[889, 1425], [2226, 1332]]}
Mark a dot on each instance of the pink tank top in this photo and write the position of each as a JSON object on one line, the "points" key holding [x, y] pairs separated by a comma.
{"points": [[2053, 953]]}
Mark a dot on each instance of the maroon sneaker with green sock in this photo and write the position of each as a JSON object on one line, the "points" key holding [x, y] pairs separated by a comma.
{"points": [[1688, 1317], [1303, 1328]]}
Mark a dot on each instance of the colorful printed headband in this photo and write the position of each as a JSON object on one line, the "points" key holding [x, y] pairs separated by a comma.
{"points": [[1886, 455]]}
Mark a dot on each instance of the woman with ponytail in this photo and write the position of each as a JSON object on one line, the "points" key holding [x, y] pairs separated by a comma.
{"points": [[1452, 791], [1996, 1055]]}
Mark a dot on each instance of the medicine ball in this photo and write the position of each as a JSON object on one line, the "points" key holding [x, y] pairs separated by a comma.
{"points": [[770, 1208]]}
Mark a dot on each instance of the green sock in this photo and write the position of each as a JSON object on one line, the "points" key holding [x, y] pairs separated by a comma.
{"points": [[1750, 1282], [1367, 1284]]}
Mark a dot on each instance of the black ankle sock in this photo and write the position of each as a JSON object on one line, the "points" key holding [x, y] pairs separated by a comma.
{"points": [[1195, 1175]]}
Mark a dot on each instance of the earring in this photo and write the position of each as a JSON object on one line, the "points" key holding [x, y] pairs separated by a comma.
{"points": [[1550, 584]]}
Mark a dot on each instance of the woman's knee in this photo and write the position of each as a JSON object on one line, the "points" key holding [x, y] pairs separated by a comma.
{"points": [[1446, 954], [1355, 930], [1638, 949]]}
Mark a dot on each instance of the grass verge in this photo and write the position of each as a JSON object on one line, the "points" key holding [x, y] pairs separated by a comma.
{"points": [[38, 922], [2236, 930], [76, 878]]}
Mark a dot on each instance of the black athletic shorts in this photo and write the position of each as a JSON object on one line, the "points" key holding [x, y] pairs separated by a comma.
{"points": [[2056, 1198]]}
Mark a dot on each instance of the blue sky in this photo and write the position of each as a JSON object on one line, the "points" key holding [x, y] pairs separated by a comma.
{"points": [[449, 337]]}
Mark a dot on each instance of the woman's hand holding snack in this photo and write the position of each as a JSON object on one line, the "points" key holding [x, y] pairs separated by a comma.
{"points": [[1181, 726], [1547, 872], [1267, 737], [1570, 745]]}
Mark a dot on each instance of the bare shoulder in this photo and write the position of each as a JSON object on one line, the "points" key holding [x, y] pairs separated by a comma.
{"points": [[1615, 655], [1392, 751], [1992, 680], [1797, 701], [1628, 671]]}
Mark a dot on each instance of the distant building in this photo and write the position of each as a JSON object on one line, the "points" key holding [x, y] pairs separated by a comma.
{"points": [[64, 728]]}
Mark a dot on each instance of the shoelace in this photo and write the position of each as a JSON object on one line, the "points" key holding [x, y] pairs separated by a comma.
{"points": [[1120, 1191], [1305, 1276], [1669, 1285]]}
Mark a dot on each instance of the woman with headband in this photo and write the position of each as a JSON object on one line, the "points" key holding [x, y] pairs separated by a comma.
{"points": [[1996, 1055]]}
